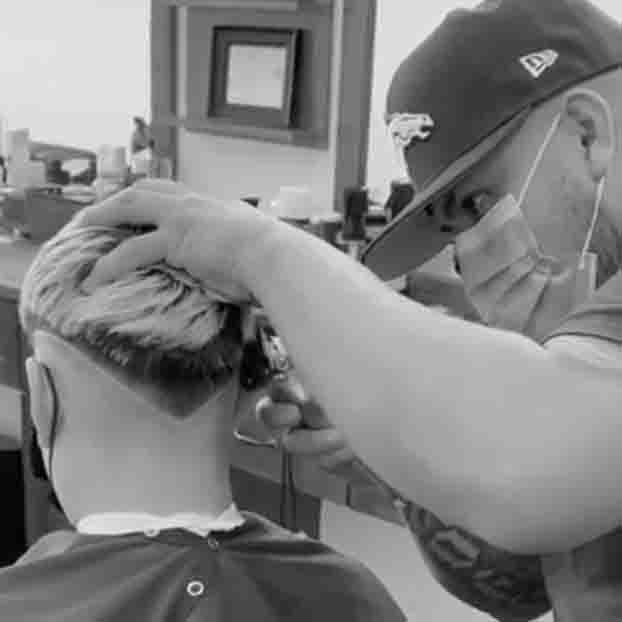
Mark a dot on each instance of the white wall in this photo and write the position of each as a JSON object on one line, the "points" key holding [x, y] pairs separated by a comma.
{"points": [[233, 167], [74, 71]]}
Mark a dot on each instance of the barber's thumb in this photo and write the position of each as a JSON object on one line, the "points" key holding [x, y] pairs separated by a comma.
{"points": [[278, 416], [287, 390]]}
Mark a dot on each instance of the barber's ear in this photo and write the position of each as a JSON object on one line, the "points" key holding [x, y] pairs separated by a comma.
{"points": [[594, 118], [41, 401]]}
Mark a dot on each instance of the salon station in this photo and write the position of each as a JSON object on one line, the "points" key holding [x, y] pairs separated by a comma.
{"points": [[278, 103]]}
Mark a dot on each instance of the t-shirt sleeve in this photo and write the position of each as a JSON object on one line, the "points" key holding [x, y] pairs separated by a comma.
{"points": [[599, 317], [508, 587], [595, 351]]}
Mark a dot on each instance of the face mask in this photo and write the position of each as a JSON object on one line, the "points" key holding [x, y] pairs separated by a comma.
{"points": [[508, 279]]}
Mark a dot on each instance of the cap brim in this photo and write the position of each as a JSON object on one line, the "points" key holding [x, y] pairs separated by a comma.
{"points": [[413, 237]]}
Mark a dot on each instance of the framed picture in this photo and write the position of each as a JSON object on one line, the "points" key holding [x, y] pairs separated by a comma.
{"points": [[253, 77]]}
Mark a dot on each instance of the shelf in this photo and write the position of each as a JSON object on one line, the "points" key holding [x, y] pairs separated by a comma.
{"points": [[299, 138]]}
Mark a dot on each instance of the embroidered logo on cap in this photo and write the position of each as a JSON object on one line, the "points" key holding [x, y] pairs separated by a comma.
{"points": [[406, 127], [488, 5], [538, 62]]}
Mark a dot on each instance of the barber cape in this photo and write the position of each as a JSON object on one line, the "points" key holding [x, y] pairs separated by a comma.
{"points": [[258, 572]]}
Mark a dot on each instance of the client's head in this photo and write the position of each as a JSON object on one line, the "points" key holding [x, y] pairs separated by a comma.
{"points": [[133, 386]]}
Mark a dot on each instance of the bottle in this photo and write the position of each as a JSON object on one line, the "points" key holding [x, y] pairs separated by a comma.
{"points": [[144, 162], [353, 234], [402, 193]]}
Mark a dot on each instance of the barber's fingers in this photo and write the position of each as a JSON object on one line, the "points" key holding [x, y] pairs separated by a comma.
{"points": [[278, 417], [333, 460], [291, 391], [322, 443], [286, 420], [287, 390], [132, 206], [135, 252], [306, 442]]}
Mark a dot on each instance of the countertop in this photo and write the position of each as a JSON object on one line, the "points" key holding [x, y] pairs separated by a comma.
{"points": [[15, 259]]}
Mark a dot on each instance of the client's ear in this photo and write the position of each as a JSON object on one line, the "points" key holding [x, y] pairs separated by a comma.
{"points": [[41, 400]]}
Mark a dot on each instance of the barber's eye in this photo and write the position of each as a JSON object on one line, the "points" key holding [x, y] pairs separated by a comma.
{"points": [[469, 203], [475, 203]]}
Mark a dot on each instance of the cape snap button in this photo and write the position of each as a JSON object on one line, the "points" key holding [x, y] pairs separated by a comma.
{"points": [[195, 588]]}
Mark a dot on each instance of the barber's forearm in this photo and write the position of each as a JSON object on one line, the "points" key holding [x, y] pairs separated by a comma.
{"points": [[386, 370], [328, 310], [465, 420]]}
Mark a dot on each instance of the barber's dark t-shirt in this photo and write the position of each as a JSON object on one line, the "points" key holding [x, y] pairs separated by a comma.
{"points": [[587, 582]]}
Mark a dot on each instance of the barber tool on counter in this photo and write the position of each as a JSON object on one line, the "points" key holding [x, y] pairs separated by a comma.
{"points": [[112, 171], [354, 233], [402, 193], [295, 205]]}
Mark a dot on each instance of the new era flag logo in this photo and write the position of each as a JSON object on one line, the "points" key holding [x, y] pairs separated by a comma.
{"points": [[538, 62]]}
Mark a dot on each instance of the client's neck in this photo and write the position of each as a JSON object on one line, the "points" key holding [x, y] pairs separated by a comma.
{"points": [[145, 462], [159, 480], [195, 481], [127, 446]]}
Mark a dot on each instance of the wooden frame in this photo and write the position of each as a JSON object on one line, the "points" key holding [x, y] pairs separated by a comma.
{"points": [[357, 54], [309, 124], [164, 57], [259, 114]]}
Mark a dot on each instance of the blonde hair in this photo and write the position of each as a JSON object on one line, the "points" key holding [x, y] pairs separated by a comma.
{"points": [[156, 322]]}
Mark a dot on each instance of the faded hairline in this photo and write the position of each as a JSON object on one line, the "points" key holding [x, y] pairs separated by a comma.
{"points": [[156, 323]]}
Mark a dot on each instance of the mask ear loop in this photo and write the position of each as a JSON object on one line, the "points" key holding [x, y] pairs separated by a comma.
{"points": [[600, 191], [539, 156]]}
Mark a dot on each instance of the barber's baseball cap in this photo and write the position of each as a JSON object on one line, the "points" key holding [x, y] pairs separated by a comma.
{"points": [[469, 85]]}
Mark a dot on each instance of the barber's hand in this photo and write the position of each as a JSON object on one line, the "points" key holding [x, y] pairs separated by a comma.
{"points": [[301, 425], [210, 239]]}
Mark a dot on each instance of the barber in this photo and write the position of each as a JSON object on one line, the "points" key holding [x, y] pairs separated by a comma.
{"points": [[508, 116]]}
